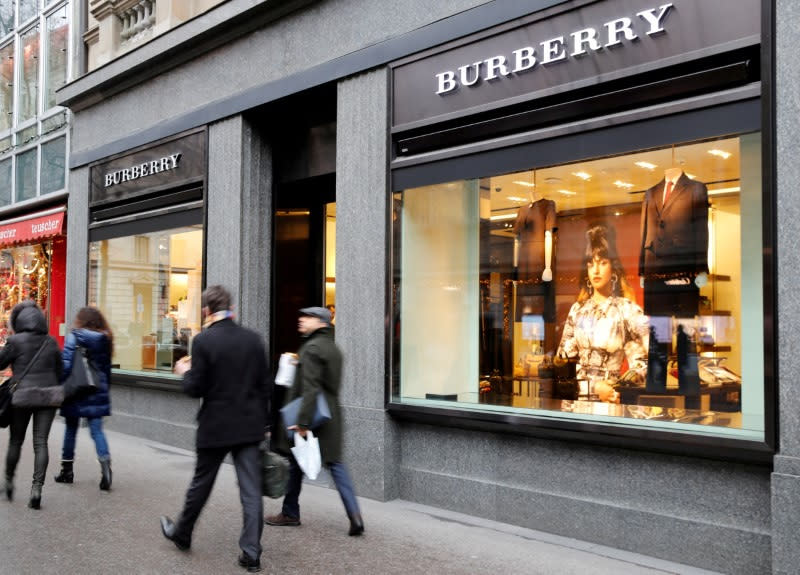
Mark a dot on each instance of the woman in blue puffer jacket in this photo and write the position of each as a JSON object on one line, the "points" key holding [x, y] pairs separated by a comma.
{"points": [[92, 332]]}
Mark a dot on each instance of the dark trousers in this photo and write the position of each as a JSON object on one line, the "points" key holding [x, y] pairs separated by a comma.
{"points": [[341, 478], [42, 421], [247, 462]]}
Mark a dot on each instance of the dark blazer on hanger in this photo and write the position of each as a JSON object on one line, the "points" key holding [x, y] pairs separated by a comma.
{"points": [[674, 236]]}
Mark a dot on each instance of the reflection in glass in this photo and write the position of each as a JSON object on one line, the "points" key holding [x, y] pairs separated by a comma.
{"points": [[6, 17], [6, 86], [497, 285], [148, 287], [26, 175], [29, 82], [5, 182], [56, 72], [54, 155], [27, 9]]}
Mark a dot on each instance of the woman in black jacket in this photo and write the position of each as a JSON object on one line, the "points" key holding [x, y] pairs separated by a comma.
{"points": [[30, 335]]}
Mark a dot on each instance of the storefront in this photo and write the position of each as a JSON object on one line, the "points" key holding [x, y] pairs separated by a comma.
{"points": [[578, 225], [550, 232], [146, 244], [33, 267]]}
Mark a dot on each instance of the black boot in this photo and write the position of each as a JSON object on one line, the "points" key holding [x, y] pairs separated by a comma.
{"points": [[105, 471], [66, 475], [36, 497], [356, 525], [9, 488]]}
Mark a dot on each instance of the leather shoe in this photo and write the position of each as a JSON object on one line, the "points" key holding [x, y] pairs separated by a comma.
{"points": [[252, 565], [281, 520], [356, 526], [168, 529]]}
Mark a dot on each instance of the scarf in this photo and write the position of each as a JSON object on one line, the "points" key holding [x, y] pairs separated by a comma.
{"points": [[217, 316]]}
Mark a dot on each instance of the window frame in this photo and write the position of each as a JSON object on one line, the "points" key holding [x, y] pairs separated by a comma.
{"points": [[742, 110]]}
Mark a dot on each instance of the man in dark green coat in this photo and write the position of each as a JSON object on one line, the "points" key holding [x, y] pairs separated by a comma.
{"points": [[319, 370]]}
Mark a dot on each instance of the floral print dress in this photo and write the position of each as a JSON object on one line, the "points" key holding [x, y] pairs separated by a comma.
{"points": [[603, 334]]}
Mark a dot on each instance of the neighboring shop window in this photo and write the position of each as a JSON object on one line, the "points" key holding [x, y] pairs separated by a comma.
{"points": [[54, 166], [5, 182], [24, 274], [595, 290], [148, 286]]}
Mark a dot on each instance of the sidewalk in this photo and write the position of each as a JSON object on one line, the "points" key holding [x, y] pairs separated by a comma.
{"points": [[82, 530]]}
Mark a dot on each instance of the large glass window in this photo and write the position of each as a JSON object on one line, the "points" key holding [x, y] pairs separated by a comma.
{"points": [[148, 286], [54, 165], [625, 289], [29, 75], [6, 86], [5, 182], [6, 17], [26, 175], [27, 9], [24, 274], [55, 75]]}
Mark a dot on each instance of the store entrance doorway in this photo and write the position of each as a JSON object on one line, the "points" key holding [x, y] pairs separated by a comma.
{"points": [[304, 272]]}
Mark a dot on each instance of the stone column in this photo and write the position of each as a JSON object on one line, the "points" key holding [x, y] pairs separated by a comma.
{"points": [[77, 243], [362, 200], [239, 219], [786, 474]]}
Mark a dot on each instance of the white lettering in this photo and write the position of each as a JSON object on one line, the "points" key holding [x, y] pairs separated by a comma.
{"points": [[656, 26], [175, 158], [581, 37], [447, 82], [553, 50], [8, 234], [154, 167], [494, 65], [616, 27], [143, 169], [135, 172], [109, 180], [165, 163], [126, 174], [463, 72], [42, 227], [524, 59]]}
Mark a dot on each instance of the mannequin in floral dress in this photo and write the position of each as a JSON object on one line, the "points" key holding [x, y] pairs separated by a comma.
{"points": [[605, 326]]}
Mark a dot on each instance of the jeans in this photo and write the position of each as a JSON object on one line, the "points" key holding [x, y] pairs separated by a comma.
{"points": [[341, 478], [42, 421], [71, 433]]}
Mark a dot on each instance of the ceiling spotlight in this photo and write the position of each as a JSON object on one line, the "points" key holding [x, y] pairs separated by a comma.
{"points": [[624, 185], [567, 192], [646, 165], [582, 175], [720, 153], [526, 184]]}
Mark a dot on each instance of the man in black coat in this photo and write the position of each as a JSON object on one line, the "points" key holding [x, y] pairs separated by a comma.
{"points": [[228, 370]]}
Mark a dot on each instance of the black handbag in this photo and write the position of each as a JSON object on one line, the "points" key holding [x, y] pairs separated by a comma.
{"points": [[29, 396], [6, 391], [83, 380]]}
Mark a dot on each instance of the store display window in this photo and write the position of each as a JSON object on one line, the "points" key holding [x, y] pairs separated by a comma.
{"points": [[625, 289], [25, 274], [148, 286]]}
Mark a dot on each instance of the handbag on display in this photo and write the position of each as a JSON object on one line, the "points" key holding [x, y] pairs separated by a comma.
{"points": [[275, 474], [291, 410], [84, 379]]}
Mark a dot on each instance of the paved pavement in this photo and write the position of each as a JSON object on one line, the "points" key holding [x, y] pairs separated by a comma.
{"points": [[81, 530]]}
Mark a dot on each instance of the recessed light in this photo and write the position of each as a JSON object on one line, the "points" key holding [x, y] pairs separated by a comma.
{"points": [[582, 175], [526, 184], [624, 185], [646, 165], [720, 153], [567, 192], [516, 199], [500, 217]]}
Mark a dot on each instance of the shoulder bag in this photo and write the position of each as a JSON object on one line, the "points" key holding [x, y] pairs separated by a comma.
{"points": [[83, 380], [32, 397]]}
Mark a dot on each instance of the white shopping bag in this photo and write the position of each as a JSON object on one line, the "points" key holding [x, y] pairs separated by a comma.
{"points": [[287, 365], [306, 453]]}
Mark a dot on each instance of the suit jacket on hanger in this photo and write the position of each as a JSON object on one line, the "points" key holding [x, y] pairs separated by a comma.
{"points": [[674, 236]]}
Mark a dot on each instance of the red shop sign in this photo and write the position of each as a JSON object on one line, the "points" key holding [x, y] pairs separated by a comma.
{"points": [[36, 228]]}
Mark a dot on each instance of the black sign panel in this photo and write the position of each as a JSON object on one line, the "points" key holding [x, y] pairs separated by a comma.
{"points": [[166, 165], [574, 47]]}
